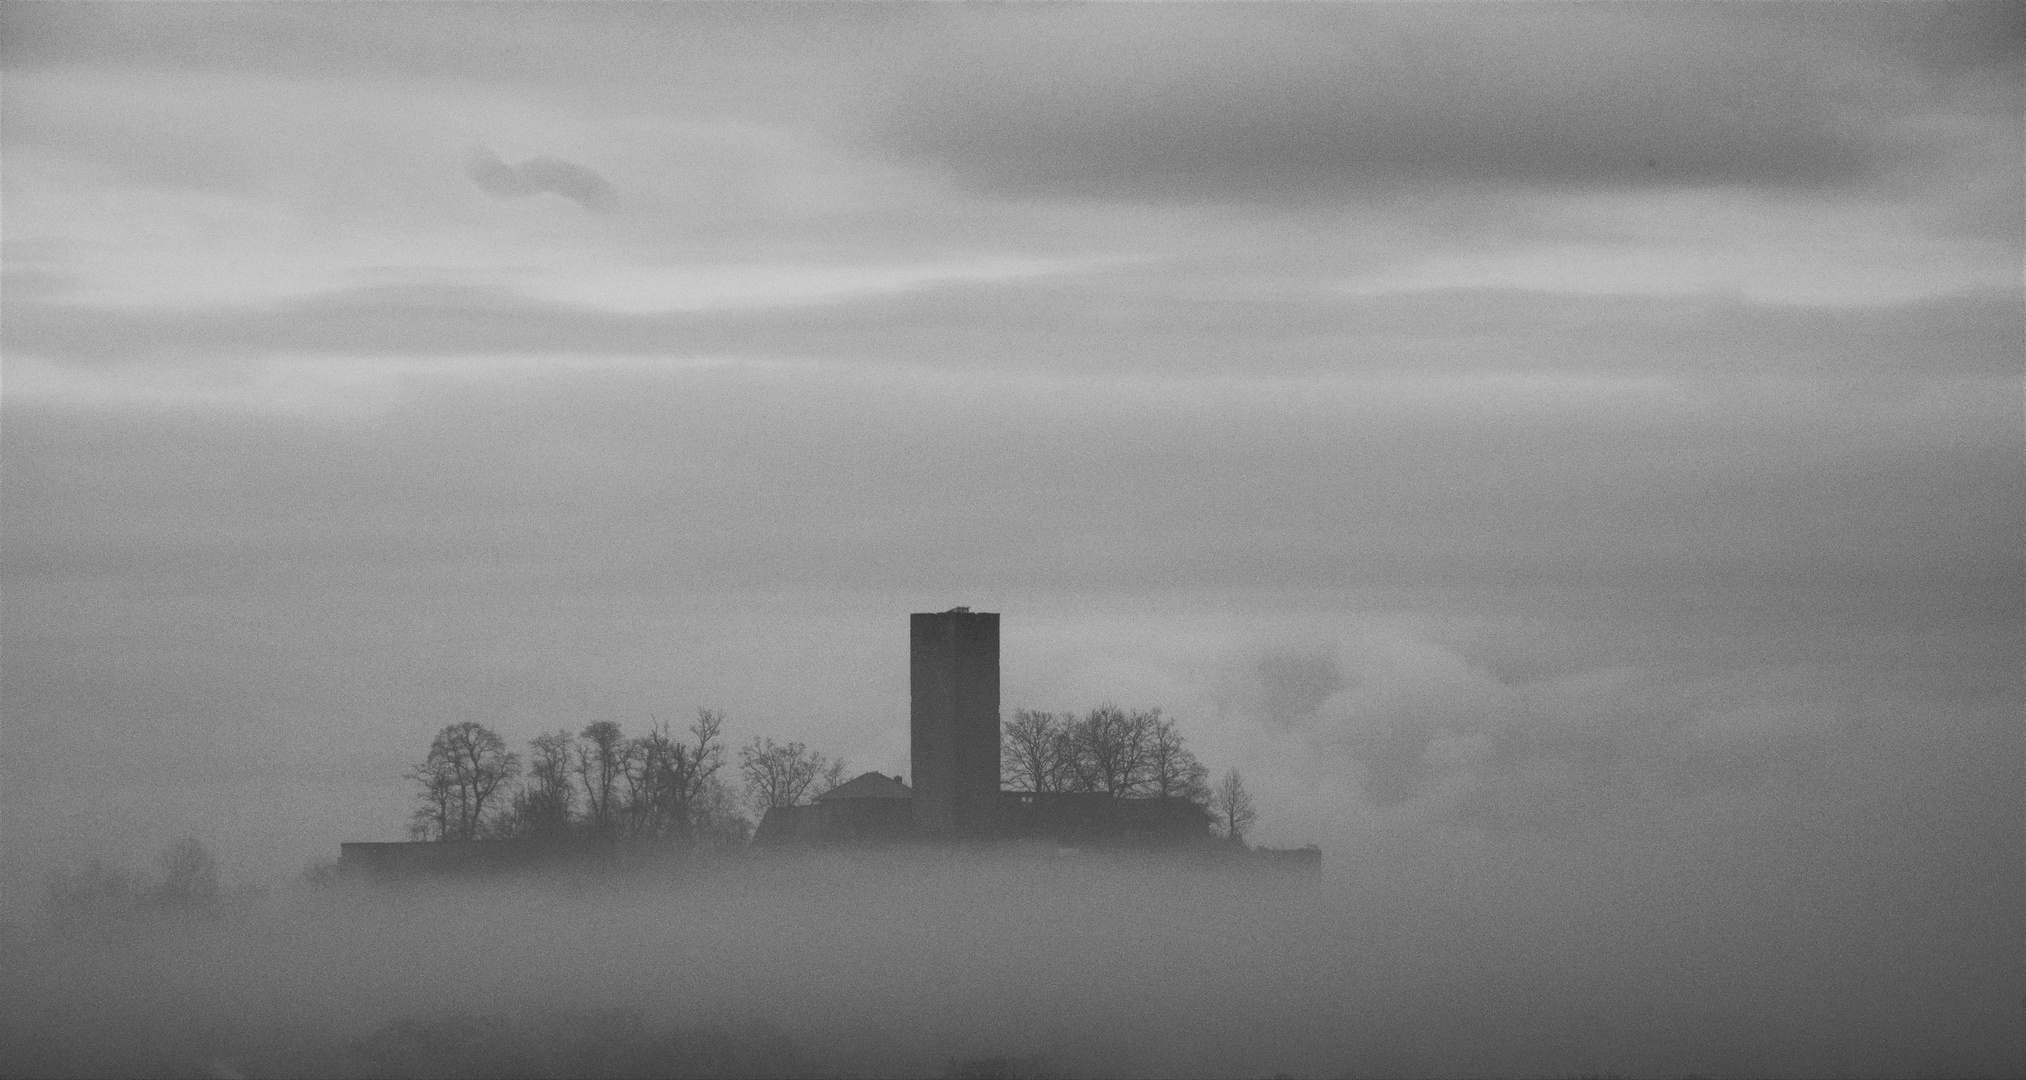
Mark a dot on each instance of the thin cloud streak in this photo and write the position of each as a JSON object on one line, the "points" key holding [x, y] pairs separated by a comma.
{"points": [[1041, 316]]}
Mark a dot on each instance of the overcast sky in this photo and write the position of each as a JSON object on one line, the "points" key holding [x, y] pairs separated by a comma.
{"points": [[1566, 429]]}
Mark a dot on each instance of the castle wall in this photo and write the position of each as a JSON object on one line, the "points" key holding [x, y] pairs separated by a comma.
{"points": [[1095, 817]]}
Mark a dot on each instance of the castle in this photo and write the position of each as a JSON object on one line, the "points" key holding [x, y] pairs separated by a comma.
{"points": [[954, 750]]}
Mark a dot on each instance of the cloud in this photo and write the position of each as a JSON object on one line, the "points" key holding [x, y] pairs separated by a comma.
{"points": [[1680, 740], [1321, 101], [537, 176], [1194, 102]]}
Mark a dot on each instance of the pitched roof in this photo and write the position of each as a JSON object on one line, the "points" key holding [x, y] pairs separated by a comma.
{"points": [[870, 785]]}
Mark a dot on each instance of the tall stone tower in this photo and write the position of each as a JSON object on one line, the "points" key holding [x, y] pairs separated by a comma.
{"points": [[953, 721]]}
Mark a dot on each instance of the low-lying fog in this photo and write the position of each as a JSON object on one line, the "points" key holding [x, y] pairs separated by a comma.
{"points": [[1486, 960]]}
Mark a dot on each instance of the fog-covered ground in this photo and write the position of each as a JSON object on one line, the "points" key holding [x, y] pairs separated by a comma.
{"points": [[1473, 961]]}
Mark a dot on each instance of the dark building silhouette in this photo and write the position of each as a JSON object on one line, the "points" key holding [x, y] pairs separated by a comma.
{"points": [[953, 722], [871, 807], [954, 739], [1098, 818]]}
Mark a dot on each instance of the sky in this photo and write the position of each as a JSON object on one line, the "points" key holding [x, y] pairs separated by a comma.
{"points": [[1589, 436]]}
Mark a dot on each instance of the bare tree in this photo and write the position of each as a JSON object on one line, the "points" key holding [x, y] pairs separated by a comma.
{"points": [[1124, 753], [1172, 771], [468, 764], [601, 765], [648, 763], [1232, 807], [658, 774], [1110, 750], [100, 894], [778, 775], [667, 779], [1035, 745], [544, 803], [716, 819], [830, 777], [697, 780], [189, 881], [433, 820]]}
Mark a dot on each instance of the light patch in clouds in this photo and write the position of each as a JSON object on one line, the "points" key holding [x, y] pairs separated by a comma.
{"points": [[338, 384], [1771, 275], [648, 290], [1842, 252], [187, 250], [250, 275]]}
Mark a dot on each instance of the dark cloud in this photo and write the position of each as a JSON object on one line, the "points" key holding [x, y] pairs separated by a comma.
{"points": [[538, 176], [1985, 39], [1323, 100], [1193, 102]]}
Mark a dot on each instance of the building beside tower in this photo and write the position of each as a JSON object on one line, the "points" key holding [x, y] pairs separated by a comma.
{"points": [[953, 722]]}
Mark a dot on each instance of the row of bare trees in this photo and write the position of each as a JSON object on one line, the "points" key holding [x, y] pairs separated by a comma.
{"points": [[461, 781], [600, 781], [470, 786], [1126, 753], [790, 775], [97, 893]]}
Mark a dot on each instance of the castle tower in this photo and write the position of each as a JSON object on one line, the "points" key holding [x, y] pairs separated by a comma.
{"points": [[953, 721]]}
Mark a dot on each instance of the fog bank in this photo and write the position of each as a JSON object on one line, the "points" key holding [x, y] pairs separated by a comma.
{"points": [[1471, 960]]}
